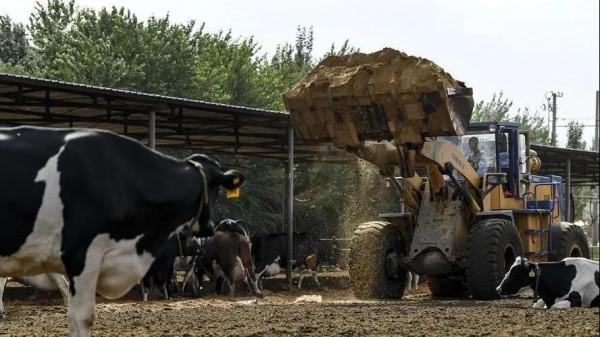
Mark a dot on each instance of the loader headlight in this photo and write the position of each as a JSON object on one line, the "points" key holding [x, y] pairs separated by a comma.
{"points": [[493, 127]]}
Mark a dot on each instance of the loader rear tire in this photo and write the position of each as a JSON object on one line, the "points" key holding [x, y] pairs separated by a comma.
{"points": [[568, 240], [446, 287], [492, 247], [375, 250]]}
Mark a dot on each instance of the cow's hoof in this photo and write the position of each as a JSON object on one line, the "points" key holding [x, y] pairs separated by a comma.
{"points": [[2, 315], [260, 295]]}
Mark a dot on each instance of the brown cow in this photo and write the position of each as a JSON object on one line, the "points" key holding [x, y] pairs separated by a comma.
{"points": [[227, 259]]}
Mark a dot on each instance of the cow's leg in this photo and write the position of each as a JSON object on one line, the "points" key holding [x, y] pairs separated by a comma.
{"points": [[409, 278], [161, 280], [315, 277], [81, 310], [246, 258], [165, 292], [575, 299], [300, 279], [259, 283], [561, 304], [231, 288], [145, 287], [539, 304], [188, 277], [63, 286], [3, 281]]}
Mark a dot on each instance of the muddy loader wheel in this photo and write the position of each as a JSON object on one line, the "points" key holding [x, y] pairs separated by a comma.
{"points": [[446, 287], [492, 247], [568, 240], [373, 267]]}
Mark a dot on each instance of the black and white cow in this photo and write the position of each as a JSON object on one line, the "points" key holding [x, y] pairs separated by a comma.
{"points": [[44, 282], [181, 245], [572, 282], [270, 252], [97, 207]]}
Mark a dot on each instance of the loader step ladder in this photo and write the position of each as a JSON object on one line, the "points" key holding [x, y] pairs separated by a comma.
{"points": [[542, 208]]}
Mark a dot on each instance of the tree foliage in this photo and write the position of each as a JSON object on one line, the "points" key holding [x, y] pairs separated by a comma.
{"points": [[13, 41], [574, 136], [499, 109], [112, 47]]}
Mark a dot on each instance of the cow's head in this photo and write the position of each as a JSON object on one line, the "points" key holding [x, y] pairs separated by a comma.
{"points": [[517, 278], [212, 178]]}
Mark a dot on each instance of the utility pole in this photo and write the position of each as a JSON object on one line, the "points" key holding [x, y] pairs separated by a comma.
{"points": [[597, 135], [554, 96], [596, 191]]}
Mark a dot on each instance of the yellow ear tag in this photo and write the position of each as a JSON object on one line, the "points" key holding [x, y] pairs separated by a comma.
{"points": [[236, 181], [235, 193], [532, 273]]}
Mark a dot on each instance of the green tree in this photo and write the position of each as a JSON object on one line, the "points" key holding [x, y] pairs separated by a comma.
{"points": [[499, 109], [13, 41], [112, 48], [16, 55], [574, 135]]}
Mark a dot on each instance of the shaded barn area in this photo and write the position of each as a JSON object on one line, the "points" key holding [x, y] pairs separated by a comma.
{"points": [[169, 122]]}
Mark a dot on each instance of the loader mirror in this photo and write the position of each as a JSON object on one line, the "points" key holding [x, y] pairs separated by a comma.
{"points": [[502, 143]]}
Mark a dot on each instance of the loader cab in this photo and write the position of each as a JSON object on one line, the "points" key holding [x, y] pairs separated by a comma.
{"points": [[505, 149]]}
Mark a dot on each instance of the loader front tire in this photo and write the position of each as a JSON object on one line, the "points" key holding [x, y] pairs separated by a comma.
{"points": [[568, 240], [492, 247], [375, 250]]}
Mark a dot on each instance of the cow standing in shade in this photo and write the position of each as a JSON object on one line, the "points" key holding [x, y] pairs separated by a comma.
{"points": [[181, 245], [572, 282], [270, 253], [97, 207]]}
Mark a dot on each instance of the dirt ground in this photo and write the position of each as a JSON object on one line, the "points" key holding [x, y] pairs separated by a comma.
{"points": [[339, 313]]}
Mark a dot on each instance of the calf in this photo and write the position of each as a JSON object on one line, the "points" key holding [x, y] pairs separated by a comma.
{"points": [[161, 272], [97, 207], [270, 255], [572, 282], [43, 282], [226, 257]]}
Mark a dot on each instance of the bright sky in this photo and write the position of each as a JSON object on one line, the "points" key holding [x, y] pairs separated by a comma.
{"points": [[525, 48]]}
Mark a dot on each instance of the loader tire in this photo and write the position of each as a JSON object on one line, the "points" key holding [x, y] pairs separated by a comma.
{"points": [[373, 267], [568, 240], [446, 287], [492, 247]]}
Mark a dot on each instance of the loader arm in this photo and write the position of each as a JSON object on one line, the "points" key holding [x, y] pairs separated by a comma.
{"points": [[438, 157]]}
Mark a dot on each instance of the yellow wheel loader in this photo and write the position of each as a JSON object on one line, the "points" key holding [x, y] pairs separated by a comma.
{"points": [[474, 202]]}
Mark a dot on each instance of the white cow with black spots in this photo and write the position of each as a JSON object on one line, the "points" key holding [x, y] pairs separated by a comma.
{"points": [[572, 282], [96, 207]]}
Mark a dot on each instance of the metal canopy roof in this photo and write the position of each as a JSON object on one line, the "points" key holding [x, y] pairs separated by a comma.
{"points": [[198, 125], [585, 165], [180, 123]]}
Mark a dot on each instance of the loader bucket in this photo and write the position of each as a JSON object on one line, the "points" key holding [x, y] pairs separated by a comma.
{"points": [[380, 96]]}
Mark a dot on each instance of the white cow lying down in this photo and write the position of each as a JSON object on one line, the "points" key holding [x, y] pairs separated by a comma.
{"points": [[43, 282], [572, 282]]}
